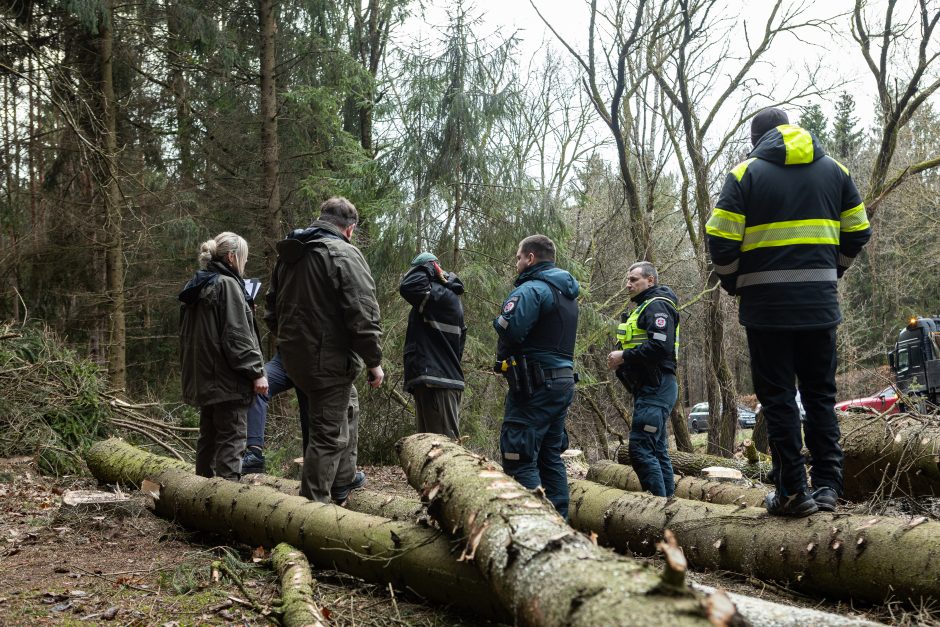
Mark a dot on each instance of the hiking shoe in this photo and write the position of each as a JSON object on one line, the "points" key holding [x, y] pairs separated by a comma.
{"points": [[342, 493], [797, 505], [253, 461], [826, 499]]}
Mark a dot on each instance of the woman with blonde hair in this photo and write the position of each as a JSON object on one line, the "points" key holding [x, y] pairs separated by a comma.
{"points": [[220, 356]]}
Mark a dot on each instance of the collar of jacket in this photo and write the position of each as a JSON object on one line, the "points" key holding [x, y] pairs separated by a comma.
{"points": [[530, 273], [327, 226], [225, 270], [656, 290]]}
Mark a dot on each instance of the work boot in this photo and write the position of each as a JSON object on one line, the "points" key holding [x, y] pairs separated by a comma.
{"points": [[826, 499], [342, 493], [253, 461], [797, 505]]}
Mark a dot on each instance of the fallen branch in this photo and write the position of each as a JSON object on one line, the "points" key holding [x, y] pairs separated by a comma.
{"points": [[297, 605]]}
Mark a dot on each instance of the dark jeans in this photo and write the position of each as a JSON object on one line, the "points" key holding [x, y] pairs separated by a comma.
{"points": [[278, 382], [437, 410], [533, 437], [649, 440], [221, 439], [778, 360]]}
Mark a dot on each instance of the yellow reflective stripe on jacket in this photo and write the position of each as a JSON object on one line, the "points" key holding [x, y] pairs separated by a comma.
{"points": [[741, 168], [798, 143], [854, 219], [844, 169], [816, 231], [726, 224]]}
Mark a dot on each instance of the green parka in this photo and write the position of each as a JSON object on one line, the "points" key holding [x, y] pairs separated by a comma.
{"points": [[322, 306], [220, 357]]}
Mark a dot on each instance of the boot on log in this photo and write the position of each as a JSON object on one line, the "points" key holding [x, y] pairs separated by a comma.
{"points": [[406, 555], [870, 558], [543, 570], [625, 478]]}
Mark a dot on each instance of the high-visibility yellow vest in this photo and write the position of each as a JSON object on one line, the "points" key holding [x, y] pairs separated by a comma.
{"points": [[629, 335]]}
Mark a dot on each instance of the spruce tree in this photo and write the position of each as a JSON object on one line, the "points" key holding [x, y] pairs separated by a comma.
{"points": [[814, 121], [845, 139]]}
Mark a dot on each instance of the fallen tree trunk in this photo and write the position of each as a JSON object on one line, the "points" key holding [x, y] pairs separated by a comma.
{"points": [[116, 461], [298, 608], [872, 558], [892, 455], [406, 555], [535, 563], [693, 463], [625, 478], [365, 501]]}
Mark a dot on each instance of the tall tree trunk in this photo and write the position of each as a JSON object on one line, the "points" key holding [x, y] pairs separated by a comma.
{"points": [[722, 404], [871, 558], [270, 162], [535, 563], [680, 428], [112, 237]]}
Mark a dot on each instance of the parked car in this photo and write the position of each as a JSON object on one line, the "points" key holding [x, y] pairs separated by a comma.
{"points": [[698, 418], [799, 404], [884, 401]]}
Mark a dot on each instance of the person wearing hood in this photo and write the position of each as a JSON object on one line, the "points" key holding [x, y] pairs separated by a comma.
{"points": [[321, 305], [787, 225], [648, 339], [536, 331], [220, 356], [434, 345]]}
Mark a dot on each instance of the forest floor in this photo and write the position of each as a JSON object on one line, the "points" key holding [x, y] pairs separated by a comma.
{"points": [[128, 567]]}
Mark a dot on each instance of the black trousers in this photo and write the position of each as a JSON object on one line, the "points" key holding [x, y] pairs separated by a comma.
{"points": [[778, 360]]}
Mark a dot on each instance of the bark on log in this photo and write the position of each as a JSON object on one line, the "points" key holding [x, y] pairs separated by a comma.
{"points": [[410, 557], [364, 501], [871, 558], [298, 608], [693, 463], [539, 567], [897, 454], [625, 478]]}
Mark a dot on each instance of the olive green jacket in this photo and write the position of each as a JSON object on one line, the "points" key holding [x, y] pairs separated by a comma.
{"points": [[220, 357], [323, 309]]}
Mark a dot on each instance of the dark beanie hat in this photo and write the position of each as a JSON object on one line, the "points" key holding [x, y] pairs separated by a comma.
{"points": [[766, 120]]}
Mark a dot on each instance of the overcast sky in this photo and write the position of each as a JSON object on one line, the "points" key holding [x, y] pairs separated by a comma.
{"points": [[838, 52]]}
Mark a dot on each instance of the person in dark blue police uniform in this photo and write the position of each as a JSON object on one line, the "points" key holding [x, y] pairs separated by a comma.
{"points": [[646, 364], [536, 329]]}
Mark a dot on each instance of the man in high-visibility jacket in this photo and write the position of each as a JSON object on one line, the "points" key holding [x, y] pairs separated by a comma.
{"points": [[788, 223], [648, 340]]}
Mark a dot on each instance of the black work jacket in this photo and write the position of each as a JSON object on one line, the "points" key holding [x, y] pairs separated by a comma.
{"points": [[436, 332], [788, 223], [660, 320]]}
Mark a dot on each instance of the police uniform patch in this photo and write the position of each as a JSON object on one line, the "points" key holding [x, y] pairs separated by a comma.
{"points": [[660, 322], [510, 305]]}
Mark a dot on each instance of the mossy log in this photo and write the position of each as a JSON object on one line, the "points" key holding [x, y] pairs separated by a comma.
{"points": [[693, 463], [406, 555], [871, 558], [543, 570], [366, 501], [894, 454], [623, 477], [298, 608]]}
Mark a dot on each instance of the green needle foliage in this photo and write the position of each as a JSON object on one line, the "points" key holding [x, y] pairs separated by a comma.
{"points": [[50, 399]]}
